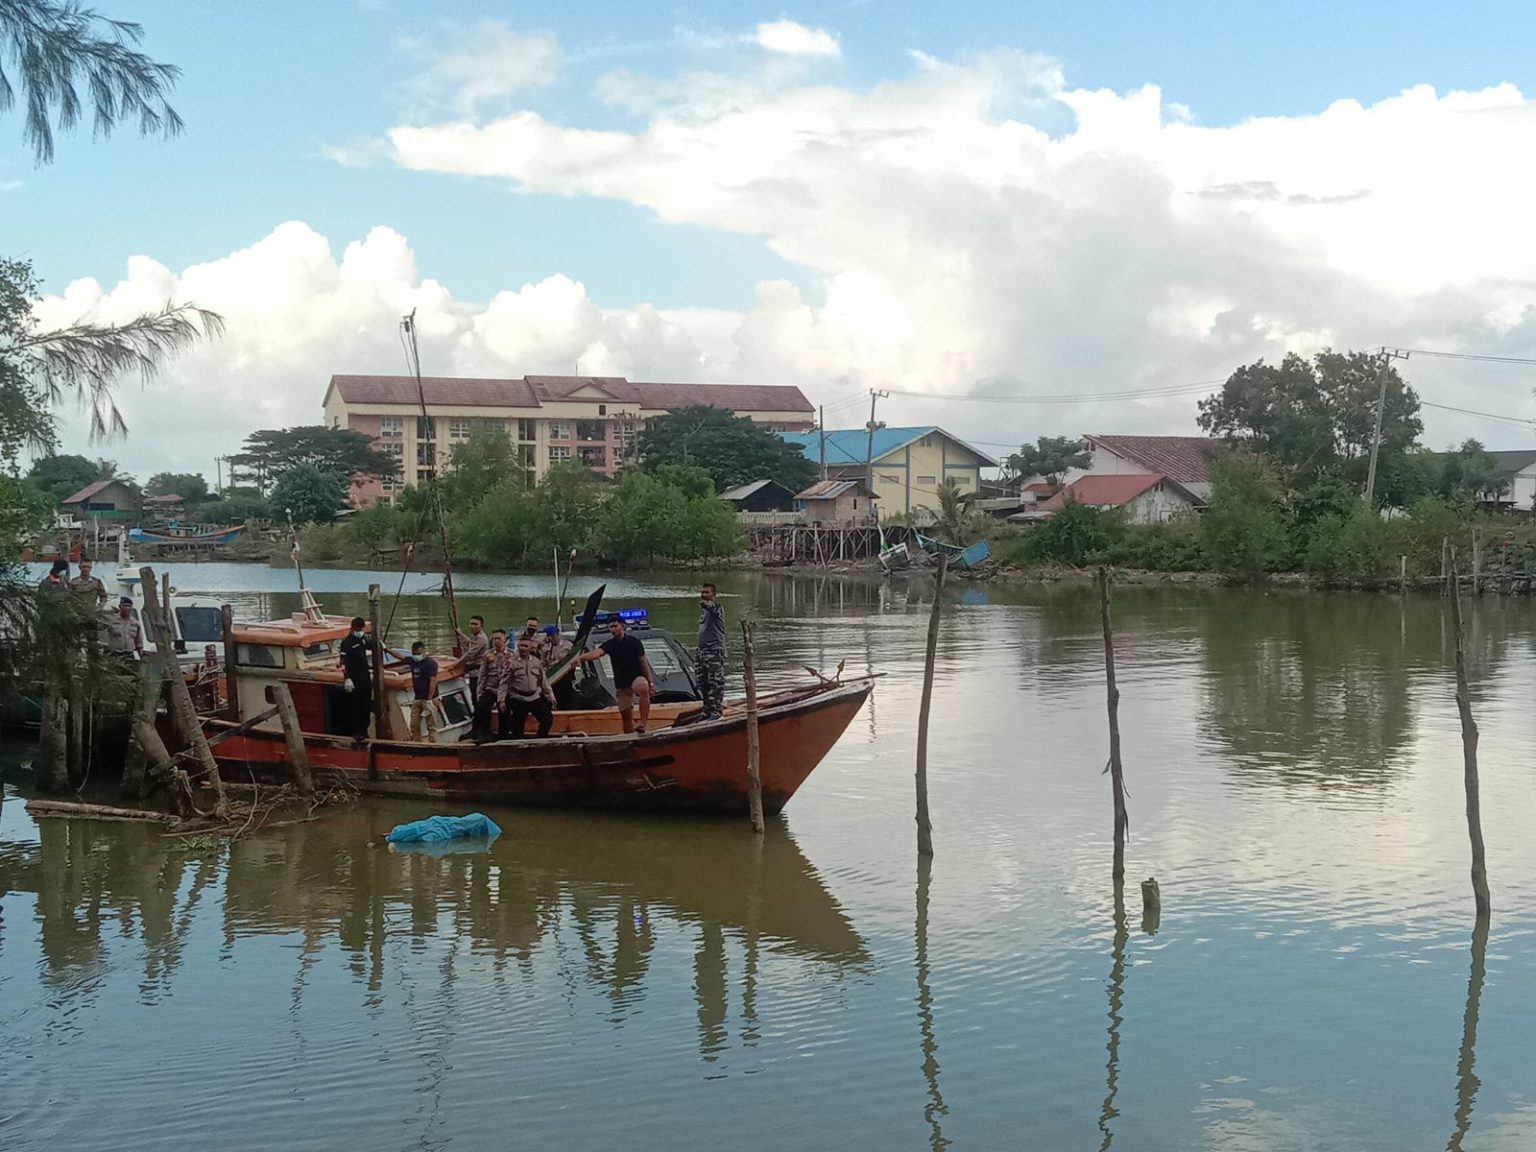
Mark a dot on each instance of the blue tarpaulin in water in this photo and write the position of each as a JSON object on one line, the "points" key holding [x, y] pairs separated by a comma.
{"points": [[438, 829]]}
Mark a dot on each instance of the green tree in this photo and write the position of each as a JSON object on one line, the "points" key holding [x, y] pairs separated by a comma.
{"points": [[309, 495], [235, 506], [190, 486], [732, 449], [956, 518], [482, 462], [565, 508], [62, 476], [1245, 527], [499, 529], [1316, 418], [271, 452], [1471, 475], [1049, 456], [1076, 534], [673, 514]]}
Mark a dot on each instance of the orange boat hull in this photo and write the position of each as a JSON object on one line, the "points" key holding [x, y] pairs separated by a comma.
{"points": [[699, 767]]}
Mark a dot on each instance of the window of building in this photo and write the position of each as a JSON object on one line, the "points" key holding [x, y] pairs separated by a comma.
{"points": [[391, 425], [459, 428], [925, 481], [602, 409], [424, 429], [559, 430], [527, 430], [594, 457], [424, 475], [961, 481], [591, 430], [557, 453], [426, 454]]}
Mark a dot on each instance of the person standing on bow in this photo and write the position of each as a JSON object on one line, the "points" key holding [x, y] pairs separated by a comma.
{"points": [[632, 676], [357, 665], [475, 647], [709, 659], [525, 691]]}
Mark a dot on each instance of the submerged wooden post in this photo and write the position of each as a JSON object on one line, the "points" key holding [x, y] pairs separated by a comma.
{"points": [[1151, 905], [924, 824], [1469, 755], [376, 646], [183, 714], [53, 741], [1112, 695], [1477, 563], [298, 755], [1402, 575], [754, 750], [143, 713]]}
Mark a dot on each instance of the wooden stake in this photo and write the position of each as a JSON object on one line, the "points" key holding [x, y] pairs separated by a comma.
{"points": [[53, 741], [231, 665], [930, 654], [1402, 575], [376, 645], [298, 755], [1469, 755], [754, 751], [143, 714], [1477, 563], [1112, 694], [1467, 1082], [183, 714]]}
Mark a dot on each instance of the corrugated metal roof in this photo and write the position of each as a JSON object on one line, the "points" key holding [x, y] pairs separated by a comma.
{"points": [[1102, 491], [90, 490], [830, 489], [1186, 459], [849, 445], [1515, 460], [742, 491]]}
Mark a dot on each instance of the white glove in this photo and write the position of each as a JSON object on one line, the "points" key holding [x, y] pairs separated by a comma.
{"points": [[347, 685]]}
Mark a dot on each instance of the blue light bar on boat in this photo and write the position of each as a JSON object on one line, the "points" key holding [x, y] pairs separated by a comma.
{"points": [[632, 617]]}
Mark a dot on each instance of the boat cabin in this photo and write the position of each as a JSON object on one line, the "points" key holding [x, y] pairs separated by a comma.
{"points": [[304, 652], [591, 685]]}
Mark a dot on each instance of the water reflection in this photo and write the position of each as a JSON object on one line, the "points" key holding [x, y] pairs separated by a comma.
{"points": [[1467, 1082], [935, 1109], [1116, 1003]]}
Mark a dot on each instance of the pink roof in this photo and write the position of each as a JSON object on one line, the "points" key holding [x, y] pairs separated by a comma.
{"points": [[1184, 459], [1040, 489], [1102, 491], [534, 391]]}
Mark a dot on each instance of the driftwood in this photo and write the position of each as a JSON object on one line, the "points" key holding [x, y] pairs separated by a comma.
{"points": [[95, 811], [241, 729], [924, 824], [754, 750]]}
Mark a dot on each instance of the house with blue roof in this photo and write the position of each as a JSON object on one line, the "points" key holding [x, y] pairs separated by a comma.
{"points": [[906, 465]]}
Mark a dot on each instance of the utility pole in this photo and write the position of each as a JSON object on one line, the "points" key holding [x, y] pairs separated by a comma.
{"points": [[1381, 405], [821, 426], [869, 448], [218, 474]]}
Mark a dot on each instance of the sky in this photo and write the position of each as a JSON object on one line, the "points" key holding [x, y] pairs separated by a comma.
{"points": [[1006, 216]]}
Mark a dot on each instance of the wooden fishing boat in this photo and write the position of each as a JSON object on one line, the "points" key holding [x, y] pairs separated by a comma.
{"points": [[682, 763], [186, 535]]}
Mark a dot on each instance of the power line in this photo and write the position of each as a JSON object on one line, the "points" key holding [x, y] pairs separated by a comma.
{"points": [[1471, 356], [1526, 421], [1073, 398]]}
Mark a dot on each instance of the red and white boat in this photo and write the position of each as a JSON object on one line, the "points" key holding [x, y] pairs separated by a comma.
{"points": [[682, 763]]}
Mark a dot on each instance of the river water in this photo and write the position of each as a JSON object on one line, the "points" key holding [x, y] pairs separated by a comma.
{"points": [[597, 981]]}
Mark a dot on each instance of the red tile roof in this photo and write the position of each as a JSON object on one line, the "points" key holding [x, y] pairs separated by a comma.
{"points": [[533, 391], [445, 390], [1102, 491], [1184, 459], [1041, 489]]}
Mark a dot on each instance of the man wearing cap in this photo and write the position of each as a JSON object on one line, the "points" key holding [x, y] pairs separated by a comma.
{"points": [[123, 633], [88, 585]]}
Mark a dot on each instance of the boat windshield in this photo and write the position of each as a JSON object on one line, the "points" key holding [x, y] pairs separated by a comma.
{"points": [[200, 625], [663, 656]]}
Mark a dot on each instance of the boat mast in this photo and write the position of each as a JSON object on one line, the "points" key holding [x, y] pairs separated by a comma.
{"points": [[413, 361], [312, 611]]}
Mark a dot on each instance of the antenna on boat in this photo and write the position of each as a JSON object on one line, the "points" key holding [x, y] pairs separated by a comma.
{"points": [[570, 562], [312, 611], [413, 362]]}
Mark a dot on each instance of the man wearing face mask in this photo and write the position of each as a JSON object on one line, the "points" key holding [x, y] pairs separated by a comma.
{"points": [[357, 664], [424, 689]]}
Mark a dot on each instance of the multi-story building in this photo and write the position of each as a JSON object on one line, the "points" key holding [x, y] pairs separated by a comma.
{"points": [[593, 419]]}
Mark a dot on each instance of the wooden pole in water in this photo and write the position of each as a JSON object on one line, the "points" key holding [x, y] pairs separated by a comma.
{"points": [[376, 647], [183, 714], [53, 741], [930, 654], [1112, 694], [1467, 1082], [1469, 755], [754, 750], [231, 673], [298, 755]]}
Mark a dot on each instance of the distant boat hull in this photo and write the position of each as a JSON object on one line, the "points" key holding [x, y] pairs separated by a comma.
{"points": [[700, 767], [155, 536]]}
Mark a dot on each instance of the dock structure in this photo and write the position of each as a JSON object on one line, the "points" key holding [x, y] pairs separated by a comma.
{"points": [[786, 544]]}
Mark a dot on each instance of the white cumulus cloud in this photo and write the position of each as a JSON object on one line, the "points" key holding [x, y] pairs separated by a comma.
{"points": [[795, 39]]}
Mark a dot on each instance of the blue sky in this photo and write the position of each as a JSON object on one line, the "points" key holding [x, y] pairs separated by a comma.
{"points": [[951, 200]]}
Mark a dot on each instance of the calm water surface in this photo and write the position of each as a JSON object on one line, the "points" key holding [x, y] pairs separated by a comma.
{"points": [[1294, 769]]}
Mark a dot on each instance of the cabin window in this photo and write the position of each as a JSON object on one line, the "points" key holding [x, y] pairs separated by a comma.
{"points": [[322, 648], [456, 708], [259, 655], [200, 625]]}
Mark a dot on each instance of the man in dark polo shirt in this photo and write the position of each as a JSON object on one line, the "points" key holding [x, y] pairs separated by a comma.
{"points": [[632, 675]]}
